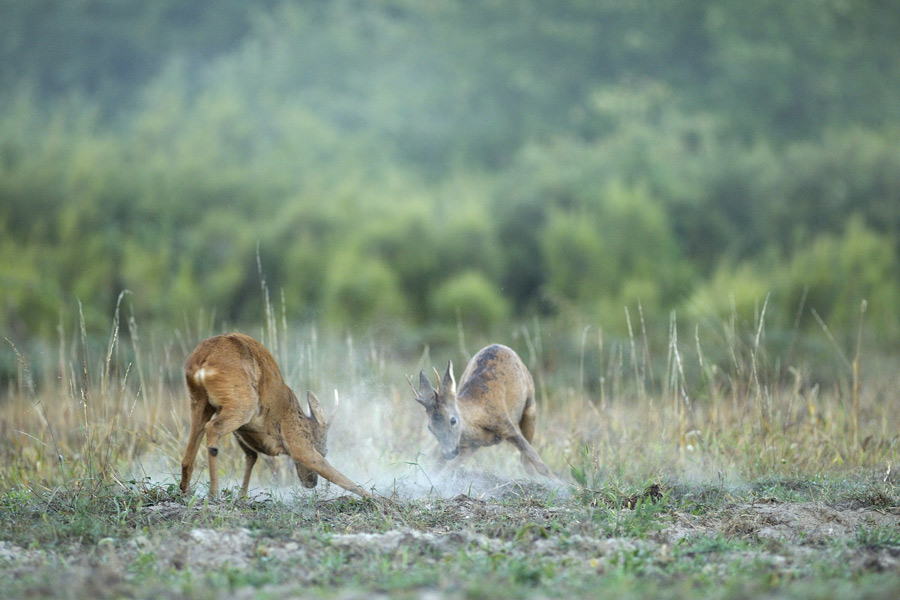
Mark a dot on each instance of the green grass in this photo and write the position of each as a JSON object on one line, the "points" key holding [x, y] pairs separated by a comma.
{"points": [[142, 541]]}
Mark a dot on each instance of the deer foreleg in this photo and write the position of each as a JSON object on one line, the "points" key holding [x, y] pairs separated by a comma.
{"points": [[529, 454], [316, 462]]}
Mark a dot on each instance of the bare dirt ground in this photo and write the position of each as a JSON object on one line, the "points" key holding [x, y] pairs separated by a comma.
{"points": [[341, 546], [790, 534]]}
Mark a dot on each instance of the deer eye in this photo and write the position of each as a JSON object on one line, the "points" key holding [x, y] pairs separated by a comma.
{"points": [[453, 421]]}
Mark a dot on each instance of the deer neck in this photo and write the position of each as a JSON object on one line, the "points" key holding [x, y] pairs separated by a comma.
{"points": [[297, 432]]}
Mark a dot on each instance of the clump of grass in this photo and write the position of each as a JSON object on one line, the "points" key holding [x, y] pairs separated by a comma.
{"points": [[878, 537]]}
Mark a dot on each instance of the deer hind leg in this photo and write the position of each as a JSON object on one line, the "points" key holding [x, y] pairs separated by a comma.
{"points": [[526, 423], [251, 456], [201, 412], [238, 407], [526, 426], [530, 456], [528, 466]]}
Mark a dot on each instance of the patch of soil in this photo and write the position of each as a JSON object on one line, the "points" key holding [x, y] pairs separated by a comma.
{"points": [[804, 523], [346, 535], [13, 556]]}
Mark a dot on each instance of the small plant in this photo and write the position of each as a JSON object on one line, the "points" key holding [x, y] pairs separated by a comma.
{"points": [[636, 515], [878, 537]]}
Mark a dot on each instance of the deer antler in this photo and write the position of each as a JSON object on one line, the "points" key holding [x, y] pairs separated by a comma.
{"points": [[438, 375], [337, 402]]}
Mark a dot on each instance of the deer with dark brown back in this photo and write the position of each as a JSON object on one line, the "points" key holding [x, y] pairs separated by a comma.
{"points": [[236, 387], [494, 402]]}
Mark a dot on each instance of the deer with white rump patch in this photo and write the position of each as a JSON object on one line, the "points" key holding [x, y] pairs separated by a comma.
{"points": [[236, 387], [494, 402]]}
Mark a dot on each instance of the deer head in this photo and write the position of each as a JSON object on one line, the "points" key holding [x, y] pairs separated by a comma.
{"points": [[317, 431], [441, 409]]}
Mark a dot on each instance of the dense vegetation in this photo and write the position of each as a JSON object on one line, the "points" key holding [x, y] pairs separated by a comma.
{"points": [[412, 162]]}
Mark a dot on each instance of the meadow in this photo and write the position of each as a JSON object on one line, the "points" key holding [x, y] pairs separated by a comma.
{"points": [[673, 211], [718, 463]]}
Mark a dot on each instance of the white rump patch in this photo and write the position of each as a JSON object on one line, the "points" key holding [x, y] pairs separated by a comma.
{"points": [[202, 373]]}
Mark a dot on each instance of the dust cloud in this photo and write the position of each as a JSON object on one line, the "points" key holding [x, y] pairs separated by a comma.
{"points": [[378, 439]]}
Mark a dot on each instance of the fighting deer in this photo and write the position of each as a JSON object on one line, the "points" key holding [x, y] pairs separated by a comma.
{"points": [[236, 387], [495, 402]]}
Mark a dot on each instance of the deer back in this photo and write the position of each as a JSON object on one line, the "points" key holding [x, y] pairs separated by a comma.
{"points": [[225, 363], [495, 384]]}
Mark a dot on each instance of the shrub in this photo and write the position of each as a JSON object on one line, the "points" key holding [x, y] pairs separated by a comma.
{"points": [[360, 290], [838, 272], [478, 301]]}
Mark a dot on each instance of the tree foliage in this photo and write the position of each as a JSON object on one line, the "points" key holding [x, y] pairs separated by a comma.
{"points": [[411, 162]]}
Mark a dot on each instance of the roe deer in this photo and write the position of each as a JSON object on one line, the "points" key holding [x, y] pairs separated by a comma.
{"points": [[236, 387], [495, 402]]}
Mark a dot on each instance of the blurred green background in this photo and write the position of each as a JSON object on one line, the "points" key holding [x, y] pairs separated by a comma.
{"points": [[409, 165]]}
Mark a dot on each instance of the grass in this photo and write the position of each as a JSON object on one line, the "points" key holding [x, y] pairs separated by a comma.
{"points": [[715, 468], [146, 540]]}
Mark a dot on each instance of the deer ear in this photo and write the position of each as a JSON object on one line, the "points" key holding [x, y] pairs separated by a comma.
{"points": [[425, 394], [448, 383], [424, 384], [315, 408]]}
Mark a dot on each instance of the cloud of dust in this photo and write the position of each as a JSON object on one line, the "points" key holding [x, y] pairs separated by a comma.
{"points": [[378, 439]]}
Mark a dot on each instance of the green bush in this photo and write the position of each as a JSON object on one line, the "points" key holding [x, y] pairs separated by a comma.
{"points": [[471, 297], [616, 250], [832, 276], [838, 272], [738, 291], [360, 290]]}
